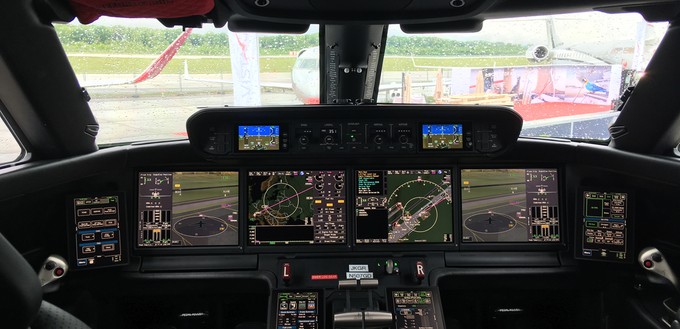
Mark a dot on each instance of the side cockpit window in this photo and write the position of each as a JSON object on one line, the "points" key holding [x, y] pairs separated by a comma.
{"points": [[10, 149]]}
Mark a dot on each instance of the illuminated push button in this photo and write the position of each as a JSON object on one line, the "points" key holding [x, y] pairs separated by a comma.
{"points": [[286, 275], [648, 263], [58, 271]]}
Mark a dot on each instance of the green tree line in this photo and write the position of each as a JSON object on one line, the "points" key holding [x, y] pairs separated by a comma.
{"points": [[139, 40]]}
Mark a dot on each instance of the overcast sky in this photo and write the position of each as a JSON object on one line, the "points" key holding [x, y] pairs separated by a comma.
{"points": [[570, 29]]}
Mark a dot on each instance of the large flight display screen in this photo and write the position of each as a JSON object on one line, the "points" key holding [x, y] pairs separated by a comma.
{"points": [[442, 136], [258, 138], [296, 207], [510, 205], [180, 209], [605, 226], [404, 206]]}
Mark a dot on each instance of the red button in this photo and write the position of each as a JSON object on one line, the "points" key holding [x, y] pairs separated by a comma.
{"points": [[286, 272], [58, 271], [648, 264]]}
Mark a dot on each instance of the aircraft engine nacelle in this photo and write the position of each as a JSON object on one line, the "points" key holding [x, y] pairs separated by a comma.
{"points": [[538, 54]]}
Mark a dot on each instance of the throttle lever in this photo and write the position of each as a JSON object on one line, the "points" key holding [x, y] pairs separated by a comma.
{"points": [[653, 261]]}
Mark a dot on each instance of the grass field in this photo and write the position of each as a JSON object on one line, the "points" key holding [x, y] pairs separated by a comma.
{"points": [[209, 185], [134, 65], [503, 183]]}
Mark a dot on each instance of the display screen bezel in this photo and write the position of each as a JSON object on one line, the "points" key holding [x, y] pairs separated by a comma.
{"points": [[183, 250], [515, 246]]}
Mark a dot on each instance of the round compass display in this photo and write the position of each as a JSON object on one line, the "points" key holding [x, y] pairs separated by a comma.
{"points": [[414, 206], [200, 226], [280, 201]]}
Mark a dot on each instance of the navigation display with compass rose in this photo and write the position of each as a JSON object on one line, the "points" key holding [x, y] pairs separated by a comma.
{"points": [[296, 207], [404, 206]]}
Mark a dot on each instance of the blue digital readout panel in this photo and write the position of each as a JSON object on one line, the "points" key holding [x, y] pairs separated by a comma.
{"points": [[258, 138], [442, 136]]}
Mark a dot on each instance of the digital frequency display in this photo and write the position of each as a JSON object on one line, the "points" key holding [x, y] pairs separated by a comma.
{"points": [[442, 136], [404, 206], [605, 227], [510, 205], [98, 233], [258, 138], [178, 209], [297, 310], [296, 207]]}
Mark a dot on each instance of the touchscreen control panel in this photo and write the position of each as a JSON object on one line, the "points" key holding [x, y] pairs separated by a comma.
{"points": [[187, 208], [297, 310], [296, 207], [98, 237], [510, 205], [605, 226], [415, 309], [404, 206]]}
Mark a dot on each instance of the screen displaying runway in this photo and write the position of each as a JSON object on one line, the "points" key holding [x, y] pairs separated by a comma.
{"points": [[188, 209], [510, 205]]}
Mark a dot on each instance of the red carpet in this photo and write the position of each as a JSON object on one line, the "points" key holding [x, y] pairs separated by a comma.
{"points": [[530, 112]]}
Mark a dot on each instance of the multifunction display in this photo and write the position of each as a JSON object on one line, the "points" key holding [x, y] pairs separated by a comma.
{"points": [[297, 310], [296, 207], [258, 138], [404, 206], [442, 136], [415, 309], [605, 225], [510, 205], [99, 238], [188, 209]]}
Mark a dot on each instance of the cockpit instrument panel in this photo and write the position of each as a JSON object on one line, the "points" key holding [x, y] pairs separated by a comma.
{"points": [[187, 208], [604, 231], [376, 130], [98, 236], [289, 207], [510, 205], [404, 206]]}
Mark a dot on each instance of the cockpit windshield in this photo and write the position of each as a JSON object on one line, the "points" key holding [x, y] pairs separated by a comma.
{"points": [[563, 74]]}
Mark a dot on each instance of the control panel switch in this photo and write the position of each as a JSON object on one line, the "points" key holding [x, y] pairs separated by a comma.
{"points": [[286, 275]]}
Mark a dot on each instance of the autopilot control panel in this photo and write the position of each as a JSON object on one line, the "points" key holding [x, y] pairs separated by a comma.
{"points": [[339, 130]]}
